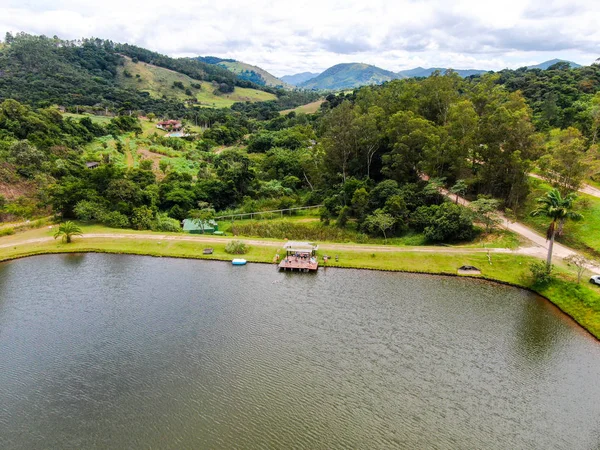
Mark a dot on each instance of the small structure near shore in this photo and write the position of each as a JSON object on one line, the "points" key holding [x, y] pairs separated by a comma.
{"points": [[468, 270], [300, 256], [194, 226]]}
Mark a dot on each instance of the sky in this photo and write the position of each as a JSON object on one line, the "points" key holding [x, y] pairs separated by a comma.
{"points": [[287, 37]]}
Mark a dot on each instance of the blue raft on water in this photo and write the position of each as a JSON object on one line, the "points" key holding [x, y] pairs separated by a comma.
{"points": [[238, 262]]}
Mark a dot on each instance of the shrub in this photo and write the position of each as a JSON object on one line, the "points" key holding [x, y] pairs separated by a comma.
{"points": [[88, 211], [115, 219], [443, 223], [281, 229], [146, 164], [142, 218], [165, 223], [342, 218], [236, 248], [7, 231], [542, 273]]}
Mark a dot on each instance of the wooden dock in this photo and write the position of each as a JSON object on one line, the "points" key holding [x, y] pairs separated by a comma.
{"points": [[300, 256], [299, 264]]}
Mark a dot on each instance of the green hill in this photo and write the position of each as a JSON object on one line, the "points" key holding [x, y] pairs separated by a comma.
{"points": [[254, 74], [246, 72], [43, 71], [347, 76], [159, 82]]}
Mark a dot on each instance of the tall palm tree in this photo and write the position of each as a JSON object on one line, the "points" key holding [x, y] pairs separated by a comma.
{"points": [[558, 208], [67, 230]]}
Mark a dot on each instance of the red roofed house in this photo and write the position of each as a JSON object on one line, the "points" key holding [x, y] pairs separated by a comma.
{"points": [[169, 125]]}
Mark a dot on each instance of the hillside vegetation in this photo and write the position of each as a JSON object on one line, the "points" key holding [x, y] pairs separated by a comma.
{"points": [[254, 74], [165, 83], [43, 71]]}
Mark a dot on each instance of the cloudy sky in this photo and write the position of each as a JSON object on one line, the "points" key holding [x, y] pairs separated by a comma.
{"points": [[287, 37]]}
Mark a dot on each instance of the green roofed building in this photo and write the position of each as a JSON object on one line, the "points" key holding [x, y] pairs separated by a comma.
{"points": [[195, 226]]}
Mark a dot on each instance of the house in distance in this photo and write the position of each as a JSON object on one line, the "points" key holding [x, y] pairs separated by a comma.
{"points": [[169, 125]]}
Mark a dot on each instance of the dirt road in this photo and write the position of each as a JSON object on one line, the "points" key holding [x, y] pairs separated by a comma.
{"points": [[540, 244], [585, 188]]}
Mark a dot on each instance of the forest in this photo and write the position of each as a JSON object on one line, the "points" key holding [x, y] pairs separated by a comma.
{"points": [[375, 158]]}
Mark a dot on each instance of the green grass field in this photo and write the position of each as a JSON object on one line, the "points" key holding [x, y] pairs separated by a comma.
{"points": [[584, 235], [158, 82], [102, 120], [309, 108]]}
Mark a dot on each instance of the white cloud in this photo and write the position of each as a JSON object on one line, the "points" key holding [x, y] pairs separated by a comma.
{"points": [[293, 36]]}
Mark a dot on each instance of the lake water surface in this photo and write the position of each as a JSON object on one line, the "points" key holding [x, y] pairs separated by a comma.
{"points": [[106, 351]]}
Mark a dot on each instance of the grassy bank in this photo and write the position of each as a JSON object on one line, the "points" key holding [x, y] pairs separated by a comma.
{"points": [[309, 228], [584, 235], [582, 302]]}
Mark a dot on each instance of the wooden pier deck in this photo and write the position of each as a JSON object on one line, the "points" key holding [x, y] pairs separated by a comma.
{"points": [[300, 265]]}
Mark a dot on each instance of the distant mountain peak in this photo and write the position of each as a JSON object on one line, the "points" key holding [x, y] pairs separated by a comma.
{"points": [[546, 64], [348, 76], [299, 78]]}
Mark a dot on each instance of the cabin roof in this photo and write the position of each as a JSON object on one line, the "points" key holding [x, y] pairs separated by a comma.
{"points": [[300, 246], [193, 225]]}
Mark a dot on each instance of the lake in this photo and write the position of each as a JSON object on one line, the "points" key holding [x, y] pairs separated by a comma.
{"points": [[115, 351]]}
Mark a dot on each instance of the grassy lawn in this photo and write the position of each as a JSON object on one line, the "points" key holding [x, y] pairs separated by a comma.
{"points": [[309, 108], [584, 235], [102, 120], [582, 302]]}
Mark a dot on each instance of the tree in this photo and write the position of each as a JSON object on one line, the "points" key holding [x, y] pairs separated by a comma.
{"points": [[485, 209], [360, 203], [459, 189], [341, 138], [580, 262], [142, 218], [67, 230], [564, 165], [202, 215], [381, 221], [559, 210]]}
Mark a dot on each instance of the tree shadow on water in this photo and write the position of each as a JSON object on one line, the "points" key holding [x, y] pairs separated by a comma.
{"points": [[537, 333]]}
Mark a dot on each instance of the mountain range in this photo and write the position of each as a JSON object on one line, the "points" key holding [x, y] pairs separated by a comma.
{"points": [[299, 78], [342, 76]]}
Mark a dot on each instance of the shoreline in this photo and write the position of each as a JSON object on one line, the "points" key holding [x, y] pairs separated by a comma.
{"points": [[587, 318]]}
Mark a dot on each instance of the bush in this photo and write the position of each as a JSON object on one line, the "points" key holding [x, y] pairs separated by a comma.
{"points": [[165, 223], [342, 218], [115, 219], [142, 218], [7, 231], [281, 229], [236, 248], [542, 274], [443, 223], [88, 211]]}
